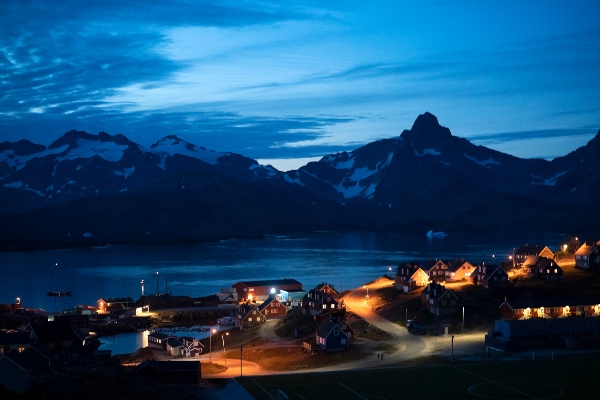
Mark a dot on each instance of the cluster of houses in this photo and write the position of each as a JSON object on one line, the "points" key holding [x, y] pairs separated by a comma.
{"points": [[38, 345], [261, 300]]}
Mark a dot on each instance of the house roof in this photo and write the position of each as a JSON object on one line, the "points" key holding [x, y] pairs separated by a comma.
{"points": [[327, 327], [59, 330], [529, 249], [159, 335], [245, 309], [553, 302], [268, 301], [540, 262], [433, 287], [174, 342], [8, 339], [19, 359], [455, 265], [585, 250], [322, 286], [270, 282], [430, 264], [441, 293], [492, 269]]}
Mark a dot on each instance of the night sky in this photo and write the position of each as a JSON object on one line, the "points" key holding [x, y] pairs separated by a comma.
{"points": [[302, 79]]}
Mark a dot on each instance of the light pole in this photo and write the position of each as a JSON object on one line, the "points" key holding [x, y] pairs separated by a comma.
{"points": [[210, 341], [366, 287], [18, 300], [224, 352], [452, 349], [241, 350], [463, 325]]}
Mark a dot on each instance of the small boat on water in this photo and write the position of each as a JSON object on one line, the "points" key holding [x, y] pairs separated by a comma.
{"points": [[59, 294]]}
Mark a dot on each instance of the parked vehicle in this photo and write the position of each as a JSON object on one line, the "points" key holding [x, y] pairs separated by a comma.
{"points": [[415, 328]]}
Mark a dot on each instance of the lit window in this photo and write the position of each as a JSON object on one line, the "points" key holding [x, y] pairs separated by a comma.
{"points": [[324, 306]]}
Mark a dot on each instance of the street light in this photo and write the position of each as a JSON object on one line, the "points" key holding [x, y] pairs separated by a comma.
{"points": [[223, 339], [18, 300], [210, 341], [463, 325], [365, 286]]}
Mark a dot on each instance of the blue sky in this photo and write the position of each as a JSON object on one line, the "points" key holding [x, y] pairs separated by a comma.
{"points": [[297, 80]]}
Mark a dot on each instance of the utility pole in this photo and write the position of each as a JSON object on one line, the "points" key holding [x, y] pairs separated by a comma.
{"points": [[241, 350], [463, 324], [452, 349]]}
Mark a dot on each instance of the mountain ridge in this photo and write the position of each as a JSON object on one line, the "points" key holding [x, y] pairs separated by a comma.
{"points": [[424, 177]]}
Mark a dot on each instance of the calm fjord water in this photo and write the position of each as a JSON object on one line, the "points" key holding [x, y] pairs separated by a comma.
{"points": [[346, 260]]}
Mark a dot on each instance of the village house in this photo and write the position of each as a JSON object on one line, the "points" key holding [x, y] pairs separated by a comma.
{"points": [[321, 300], [18, 341], [158, 339], [549, 308], [440, 301], [436, 270], [273, 308], [16, 372], [59, 336], [587, 256], [115, 304], [523, 252], [261, 290], [334, 334], [542, 267], [410, 276], [248, 315], [489, 277], [458, 270]]}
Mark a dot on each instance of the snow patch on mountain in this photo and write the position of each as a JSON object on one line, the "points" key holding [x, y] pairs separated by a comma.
{"points": [[349, 192], [171, 145], [431, 152], [289, 179], [547, 182], [15, 161], [109, 151], [348, 164], [485, 163], [125, 172]]}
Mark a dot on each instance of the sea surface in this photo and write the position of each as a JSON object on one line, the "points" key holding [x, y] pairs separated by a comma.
{"points": [[346, 260]]}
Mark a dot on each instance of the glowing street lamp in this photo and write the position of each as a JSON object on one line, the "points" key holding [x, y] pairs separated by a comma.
{"points": [[18, 300], [224, 352], [365, 286], [210, 341]]}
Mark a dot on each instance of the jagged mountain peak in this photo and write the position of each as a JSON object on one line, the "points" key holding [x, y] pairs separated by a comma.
{"points": [[72, 137], [427, 129], [22, 147]]}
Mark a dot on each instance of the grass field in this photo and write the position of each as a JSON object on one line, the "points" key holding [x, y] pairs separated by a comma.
{"points": [[568, 378]]}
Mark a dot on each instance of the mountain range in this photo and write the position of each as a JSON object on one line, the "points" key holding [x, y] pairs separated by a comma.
{"points": [[86, 189]]}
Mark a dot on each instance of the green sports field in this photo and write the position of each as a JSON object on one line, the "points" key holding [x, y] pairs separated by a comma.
{"points": [[571, 378]]}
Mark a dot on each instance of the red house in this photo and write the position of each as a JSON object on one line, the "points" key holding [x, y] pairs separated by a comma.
{"points": [[410, 276], [273, 308], [550, 308]]}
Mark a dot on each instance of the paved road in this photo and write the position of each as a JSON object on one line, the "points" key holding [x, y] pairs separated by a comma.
{"points": [[404, 346]]}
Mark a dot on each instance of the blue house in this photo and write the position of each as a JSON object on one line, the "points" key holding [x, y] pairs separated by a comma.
{"points": [[333, 335]]}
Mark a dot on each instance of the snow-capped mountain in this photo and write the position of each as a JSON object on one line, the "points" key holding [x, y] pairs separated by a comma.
{"points": [[116, 191], [81, 165], [428, 160]]}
